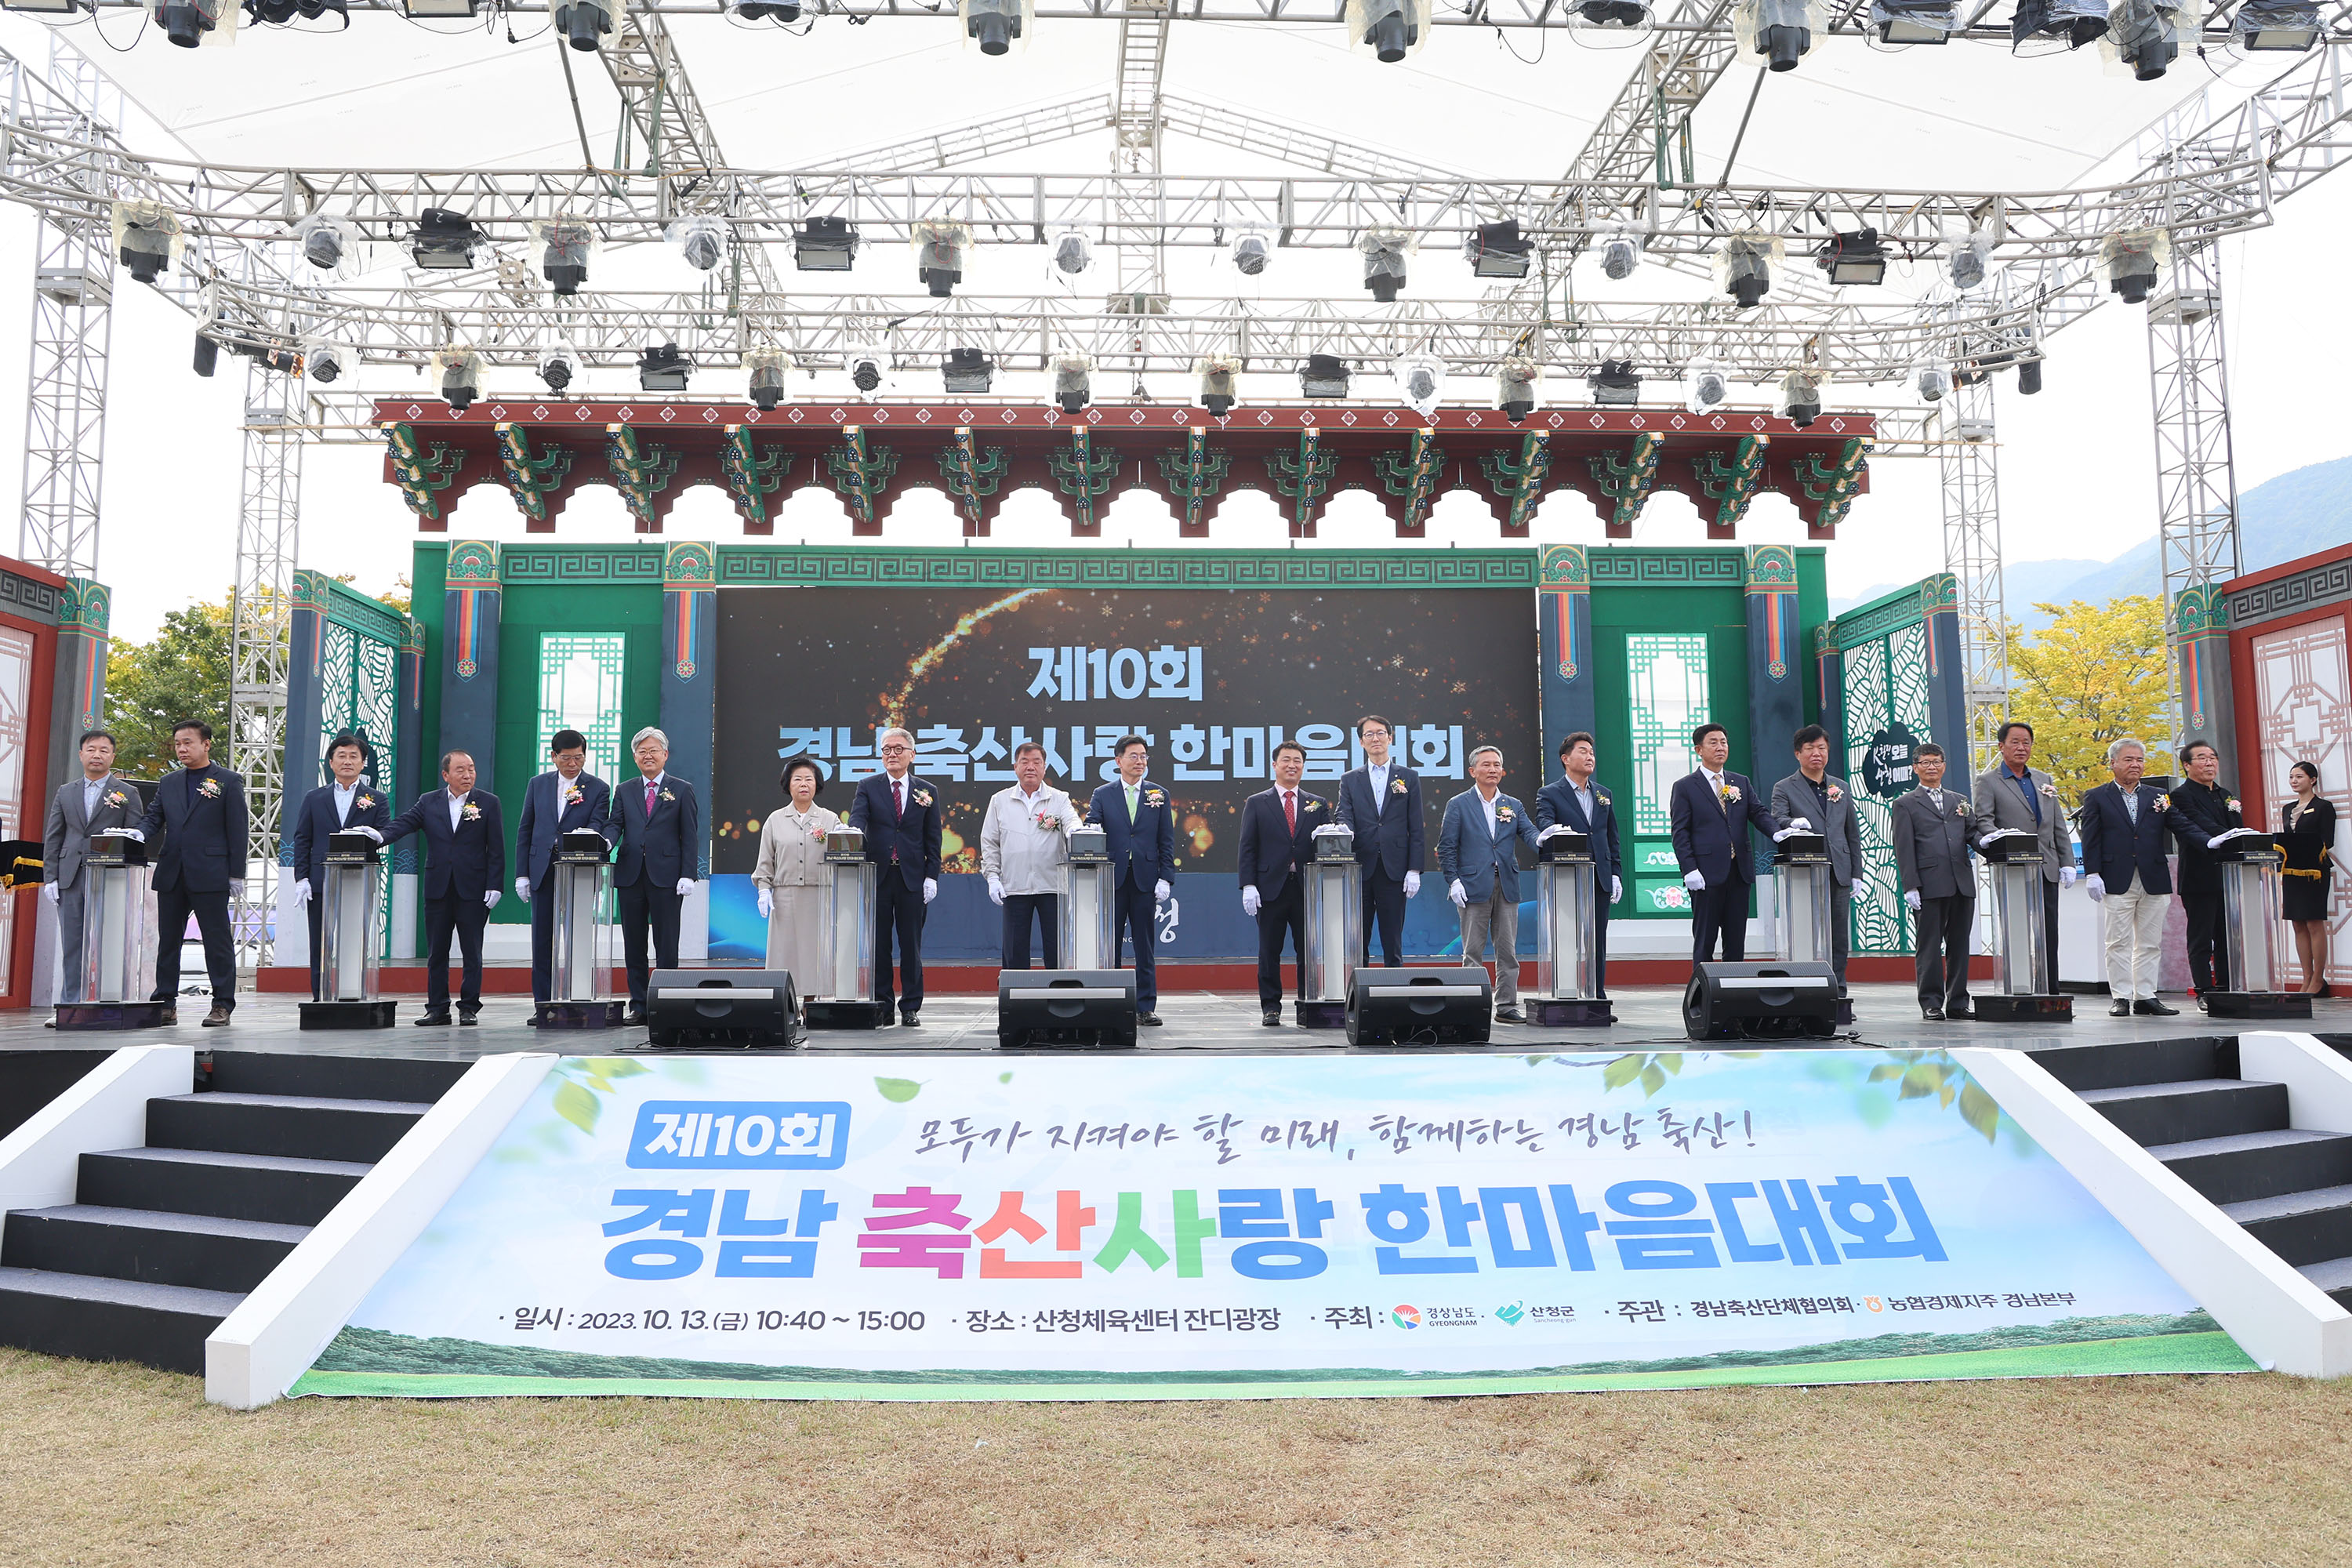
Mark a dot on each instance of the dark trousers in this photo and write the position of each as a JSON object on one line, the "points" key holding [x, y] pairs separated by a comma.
{"points": [[899, 909], [1941, 952], [1020, 911], [1286, 911], [1384, 908], [2209, 955], [645, 906], [463, 913], [542, 937], [2050, 929], [1134, 916], [1721, 911], [1601, 939], [1841, 927], [318, 936], [174, 905]]}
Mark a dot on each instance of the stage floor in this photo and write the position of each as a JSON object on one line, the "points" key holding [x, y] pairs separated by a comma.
{"points": [[1650, 1018]]}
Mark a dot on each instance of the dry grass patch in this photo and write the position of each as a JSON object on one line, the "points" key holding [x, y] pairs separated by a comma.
{"points": [[121, 1465]]}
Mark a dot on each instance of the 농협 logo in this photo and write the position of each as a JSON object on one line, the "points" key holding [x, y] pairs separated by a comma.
{"points": [[740, 1135], [1406, 1317], [1512, 1313]]}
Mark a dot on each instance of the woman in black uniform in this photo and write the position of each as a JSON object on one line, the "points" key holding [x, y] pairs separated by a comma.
{"points": [[2307, 834]]}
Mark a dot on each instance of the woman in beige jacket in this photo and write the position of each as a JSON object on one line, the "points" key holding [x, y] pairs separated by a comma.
{"points": [[791, 878]]}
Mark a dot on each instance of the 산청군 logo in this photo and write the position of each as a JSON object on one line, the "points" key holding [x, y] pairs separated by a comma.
{"points": [[1512, 1313], [740, 1135]]}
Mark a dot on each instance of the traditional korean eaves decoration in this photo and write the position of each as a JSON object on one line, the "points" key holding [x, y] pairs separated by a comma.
{"points": [[1627, 479], [1413, 477], [1519, 478], [422, 470], [973, 475], [859, 472], [752, 473], [1831, 484], [1729, 480], [1084, 471], [533, 478], [1303, 478], [641, 470], [1195, 477]]}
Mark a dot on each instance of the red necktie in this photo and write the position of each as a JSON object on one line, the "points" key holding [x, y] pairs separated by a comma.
{"points": [[898, 801], [1290, 811], [649, 799]]}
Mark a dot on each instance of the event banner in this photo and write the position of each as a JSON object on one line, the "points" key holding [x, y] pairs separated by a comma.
{"points": [[1105, 1227]]}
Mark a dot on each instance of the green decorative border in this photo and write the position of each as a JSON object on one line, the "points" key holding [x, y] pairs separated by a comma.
{"points": [[86, 605], [834, 567], [371, 618], [590, 563], [1723, 568], [1903, 607]]}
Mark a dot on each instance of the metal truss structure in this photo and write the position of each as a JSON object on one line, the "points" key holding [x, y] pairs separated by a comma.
{"points": [[1972, 492], [260, 636]]}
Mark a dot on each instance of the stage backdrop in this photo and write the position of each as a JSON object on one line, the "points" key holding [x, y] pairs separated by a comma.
{"points": [[1214, 680], [1140, 1229]]}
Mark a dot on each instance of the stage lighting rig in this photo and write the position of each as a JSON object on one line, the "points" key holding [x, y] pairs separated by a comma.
{"points": [[186, 22], [700, 238], [1616, 383], [445, 241], [867, 367], [1325, 375], [326, 239], [459, 371], [1781, 30], [280, 13], [1250, 251], [1743, 268], [1915, 21], [326, 363], [1387, 30], [967, 372], [766, 369], [994, 25], [1967, 256], [761, 10], [1705, 388], [1620, 253], [2131, 257], [663, 368], [558, 366], [566, 245], [1073, 382], [1217, 372], [940, 249], [2289, 25], [2143, 36], [825, 245], [1855, 257], [147, 239], [1385, 251], [1618, 15], [1800, 397], [1931, 382], [1072, 254], [1496, 251], [438, 8], [2029, 377], [1420, 383], [1518, 383], [2056, 23], [583, 22]]}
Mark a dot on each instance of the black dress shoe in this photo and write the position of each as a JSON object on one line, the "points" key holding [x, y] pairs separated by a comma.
{"points": [[908, 1021], [1149, 1020], [635, 1017], [1932, 1015], [468, 1016], [1961, 1013], [1510, 1016], [217, 1018], [2120, 1010], [533, 1020], [2152, 1008], [1271, 1018], [434, 1021]]}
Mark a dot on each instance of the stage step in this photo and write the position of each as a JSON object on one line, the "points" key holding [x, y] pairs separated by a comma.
{"points": [[161, 1242], [2200, 1108]]}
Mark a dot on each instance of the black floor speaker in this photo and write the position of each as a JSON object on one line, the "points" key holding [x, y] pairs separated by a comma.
{"points": [[1087, 1008], [1762, 1001], [1447, 1006], [721, 1007]]}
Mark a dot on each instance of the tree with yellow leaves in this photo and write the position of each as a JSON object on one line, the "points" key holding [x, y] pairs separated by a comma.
{"points": [[2093, 675]]}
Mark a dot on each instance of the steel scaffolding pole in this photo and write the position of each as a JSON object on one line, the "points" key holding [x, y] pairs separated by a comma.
{"points": [[1972, 555], [1136, 236], [2196, 488], [260, 619]]}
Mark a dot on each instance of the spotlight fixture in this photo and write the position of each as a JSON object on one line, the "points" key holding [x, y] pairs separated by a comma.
{"points": [[766, 368], [558, 366], [431, 8], [2143, 36], [1967, 256], [325, 362], [1705, 388], [866, 368], [186, 22], [993, 25], [147, 239], [1073, 382], [1072, 254], [1496, 251], [2131, 257], [967, 372], [1915, 21], [566, 244], [1384, 251], [662, 368], [1931, 382], [281, 13], [761, 10], [1781, 30], [326, 240], [2051, 25], [939, 250], [1217, 373], [207, 356], [825, 245], [1517, 388], [1620, 253], [1620, 15], [1615, 384], [1250, 250], [445, 241], [1853, 257], [459, 371], [1387, 30], [700, 238], [2029, 377], [1800, 397], [583, 22], [1743, 268], [1326, 375], [2289, 25], [1420, 383], [45, 7]]}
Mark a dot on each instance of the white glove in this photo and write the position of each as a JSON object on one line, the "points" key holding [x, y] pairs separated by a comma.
{"points": [[1796, 825], [1413, 884], [930, 889], [129, 833], [1554, 831], [522, 889], [371, 831], [1694, 880], [490, 900], [1986, 842], [1453, 890], [1616, 890], [237, 887], [2095, 887], [302, 892], [685, 885], [2066, 875], [1249, 902], [49, 892], [1160, 893], [767, 904], [996, 889], [1911, 900]]}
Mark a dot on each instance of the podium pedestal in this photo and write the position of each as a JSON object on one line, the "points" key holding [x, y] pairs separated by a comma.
{"points": [[841, 995]]}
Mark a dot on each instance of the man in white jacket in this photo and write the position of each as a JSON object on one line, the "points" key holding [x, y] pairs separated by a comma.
{"points": [[1025, 851]]}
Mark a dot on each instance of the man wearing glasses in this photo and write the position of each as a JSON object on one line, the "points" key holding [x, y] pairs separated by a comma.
{"points": [[899, 815]]}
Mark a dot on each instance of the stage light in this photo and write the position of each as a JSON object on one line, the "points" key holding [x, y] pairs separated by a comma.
{"points": [[939, 250], [2029, 377], [1706, 388], [583, 22], [1072, 254], [429, 8], [701, 239], [1743, 268], [1618, 14], [1217, 391], [1620, 253], [2131, 257], [186, 22], [866, 367], [1517, 388], [326, 239], [1800, 397], [2067, 23], [2290, 26], [1326, 375], [445, 241], [825, 245], [566, 245], [208, 356], [662, 368], [325, 362], [1855, 257], [993, 25], [558, 366], [147, 239], [1250, 252], [1915, 21], [1931, 381], [1496, 251], [1781, 30], [766, 369], [1420, 383], [1073, 382], [967, 372], [1385, 251], [1967, 256], [2143, 36], [45, 7], [1615, 384], [1387, 30], [459, 371], [761, 10]]}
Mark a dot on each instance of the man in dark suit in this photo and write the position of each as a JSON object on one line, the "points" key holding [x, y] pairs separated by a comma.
{"points": [[661, 852], [1139, 824], [1381, 803], [464, 861], [1713, 811], [1578, 803], [1818, 800], [2203, 810], [2124, 871], [1934, 832], [1277, 839], [347, 803], [200, 811], [1478, 855], [900, 816], [96, 801], [553, 805]]}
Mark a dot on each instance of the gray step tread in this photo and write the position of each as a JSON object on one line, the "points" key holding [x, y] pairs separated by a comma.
{"points": [[121, 1292], [164, 1219], [302, 1102], [2154, 1091], [246, 1162], [2336, 1274], [2288, 1203], [2240, 1143]]}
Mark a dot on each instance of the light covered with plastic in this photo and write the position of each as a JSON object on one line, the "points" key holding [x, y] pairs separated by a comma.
{"points": [[1799, 402], [1387, 30], [700, 238], [148, 238], [2143, 37], [1218, 376], [1420, 382], [1743, 267], [1251, 250], [764, 370], [1072, 254], [2130, 259], [1915, 21], [325, 362], [2039, 27], [1385, 252], [326, 240], [1706, 388], [1618, 15], [188, 22], [1782, 31], [583, 23], [1930, 383], [1966, 257], [558, 366], [940, 249], [458, 372], [1073, 382], [994, 26], [2286, 26], [1620, 253], [1518, 387], [867, 368], [566, 245]]}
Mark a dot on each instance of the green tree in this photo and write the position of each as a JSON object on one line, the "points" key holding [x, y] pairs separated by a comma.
{"points": [[2093, 675], [150, 686]]}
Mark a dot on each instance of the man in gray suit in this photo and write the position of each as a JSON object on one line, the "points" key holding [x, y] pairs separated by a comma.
{"points": [[91, 804], [2014, 794], [1811, 798], [1934, 831]]}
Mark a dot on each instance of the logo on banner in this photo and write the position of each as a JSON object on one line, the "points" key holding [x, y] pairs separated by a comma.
{"points": [[740, 1135], [1889, 762], [1406, 1317], [1512, 1313]]}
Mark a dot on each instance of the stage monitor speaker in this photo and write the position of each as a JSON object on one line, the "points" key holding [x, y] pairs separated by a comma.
{"points": [[1445, 1006], [1762, 1001], [721, 1006], [1081, 1007]]}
